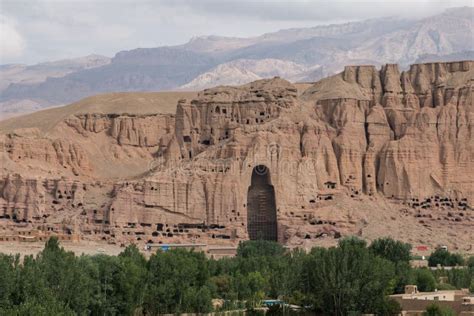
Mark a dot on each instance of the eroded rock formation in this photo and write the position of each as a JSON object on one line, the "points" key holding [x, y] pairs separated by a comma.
{"points": [[368, 152]]}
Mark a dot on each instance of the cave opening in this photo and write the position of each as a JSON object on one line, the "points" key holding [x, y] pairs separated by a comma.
{"points": [[261, 206]]}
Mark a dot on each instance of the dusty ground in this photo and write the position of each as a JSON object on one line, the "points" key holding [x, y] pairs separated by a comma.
{"points": [[79, 248], [119, 102]]}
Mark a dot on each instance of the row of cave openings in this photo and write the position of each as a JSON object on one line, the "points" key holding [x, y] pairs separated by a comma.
{"points": [[261, 211], [259, 116]]}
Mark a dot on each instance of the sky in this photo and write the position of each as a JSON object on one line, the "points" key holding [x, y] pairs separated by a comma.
{"points": [[33, 31]]}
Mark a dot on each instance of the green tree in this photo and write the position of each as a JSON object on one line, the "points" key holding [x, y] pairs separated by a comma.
{"points": [[258, 248], [393, 250], [120, 282], [470, 267], [197, 300], [444, 258], [222, 285], [398, 253], [470, 263], [8, 271], [38, 308], [348, 278], [459, 278], [64, 278], [132, 286], [445, 287], [424, 280], [392, 307], [254, 284], [270, 260], [438, 310], [109, 275], [32, 284], [172, 274]]}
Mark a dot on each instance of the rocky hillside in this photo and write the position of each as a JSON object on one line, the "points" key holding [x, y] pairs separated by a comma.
{"points": [[368, 152], [311, 52], [24, 74], [241, 71], [35, 74]]}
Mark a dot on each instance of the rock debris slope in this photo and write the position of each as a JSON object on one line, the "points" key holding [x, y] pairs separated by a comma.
{"points": [[365, 152]]}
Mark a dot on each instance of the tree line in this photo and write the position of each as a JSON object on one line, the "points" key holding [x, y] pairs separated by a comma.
{"points": [[350, 279]]}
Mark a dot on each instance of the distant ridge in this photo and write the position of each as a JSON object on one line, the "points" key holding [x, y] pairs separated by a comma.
{"points": [[209, 60]]}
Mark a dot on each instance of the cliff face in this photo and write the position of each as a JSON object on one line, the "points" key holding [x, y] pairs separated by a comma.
{"points": [[405, 135], [368, 152], [139, 131]]}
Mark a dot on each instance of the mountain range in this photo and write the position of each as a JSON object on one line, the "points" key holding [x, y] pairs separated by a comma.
{"points": [[299, 55]]}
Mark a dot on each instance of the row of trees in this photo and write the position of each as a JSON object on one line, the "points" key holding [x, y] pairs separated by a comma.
{"points": [[444, 258], [350, 278]]}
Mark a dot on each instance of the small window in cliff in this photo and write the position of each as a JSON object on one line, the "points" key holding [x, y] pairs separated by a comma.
{"points": [[206, 142], [187, 139], [224, 111], [330, 185], [262, 113], [218, 110]]}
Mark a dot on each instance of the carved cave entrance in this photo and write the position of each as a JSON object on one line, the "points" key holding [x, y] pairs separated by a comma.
{"points": [[261, 206]]}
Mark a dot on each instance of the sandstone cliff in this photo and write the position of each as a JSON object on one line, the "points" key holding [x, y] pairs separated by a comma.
{"points": [[368, 152]]}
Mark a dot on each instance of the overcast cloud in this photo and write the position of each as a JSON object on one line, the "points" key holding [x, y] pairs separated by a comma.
{"points": [[42, 30]]}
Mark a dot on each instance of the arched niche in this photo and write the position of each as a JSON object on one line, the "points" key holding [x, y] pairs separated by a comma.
{"points": [[261, 206]]}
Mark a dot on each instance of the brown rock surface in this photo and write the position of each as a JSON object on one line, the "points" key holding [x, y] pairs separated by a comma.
{"points": [[366, 152]]}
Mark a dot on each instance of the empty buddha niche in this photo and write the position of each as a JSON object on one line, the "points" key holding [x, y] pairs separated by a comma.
{"points": [[261, 206]]}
